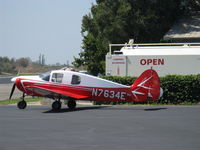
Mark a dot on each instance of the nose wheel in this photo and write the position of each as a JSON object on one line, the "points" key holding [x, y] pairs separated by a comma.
{"points": [[22, 104]]}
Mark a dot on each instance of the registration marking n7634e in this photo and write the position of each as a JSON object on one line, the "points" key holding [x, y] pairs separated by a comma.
{"points": [[108, 94]]}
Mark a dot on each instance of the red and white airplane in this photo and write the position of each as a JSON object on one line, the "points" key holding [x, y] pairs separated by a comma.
{"points": [[72, 86]]}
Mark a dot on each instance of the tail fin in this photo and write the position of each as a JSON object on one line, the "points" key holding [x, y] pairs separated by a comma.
{"points": [[147, 86]]}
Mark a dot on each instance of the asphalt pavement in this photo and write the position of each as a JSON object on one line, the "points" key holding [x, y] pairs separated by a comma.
{"points": [[5, 89], [5, 80], [100, 128]]}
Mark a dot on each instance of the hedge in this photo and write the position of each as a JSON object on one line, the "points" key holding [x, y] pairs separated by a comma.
{"points": [[178, 89]]}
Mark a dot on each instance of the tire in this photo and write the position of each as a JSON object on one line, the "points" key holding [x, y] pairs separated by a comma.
{"points": [[22, 104], [71, 104], [56, 105]]}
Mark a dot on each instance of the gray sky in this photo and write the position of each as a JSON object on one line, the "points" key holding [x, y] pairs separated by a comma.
{"points": [[49, 27]]}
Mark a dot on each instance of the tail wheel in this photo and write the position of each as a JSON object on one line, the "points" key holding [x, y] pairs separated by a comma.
{"points": [[71, 104], [22, 104], [56, 105]]}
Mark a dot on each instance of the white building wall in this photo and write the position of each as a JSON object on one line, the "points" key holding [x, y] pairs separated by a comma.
{"points": [[134, 65]]}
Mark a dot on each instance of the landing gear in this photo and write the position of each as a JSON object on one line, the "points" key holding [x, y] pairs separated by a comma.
{"points": [[71, 104], [56, 105], [22, 104]]}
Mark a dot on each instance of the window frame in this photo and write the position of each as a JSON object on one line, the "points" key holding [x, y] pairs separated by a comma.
{"points": [[58, 78], [76, 80]]}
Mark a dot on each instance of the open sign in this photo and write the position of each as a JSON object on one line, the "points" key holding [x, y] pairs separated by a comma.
{"points": [[152, 61]]}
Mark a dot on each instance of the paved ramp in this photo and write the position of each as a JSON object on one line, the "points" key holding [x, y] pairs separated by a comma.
{"points": [[5, 90], [100, 128]]}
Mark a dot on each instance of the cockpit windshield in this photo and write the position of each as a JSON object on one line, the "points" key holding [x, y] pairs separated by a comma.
{"points": [[45, 76]]}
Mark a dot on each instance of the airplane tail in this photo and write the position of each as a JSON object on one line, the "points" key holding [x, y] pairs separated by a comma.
{"points": [[147, 86]]}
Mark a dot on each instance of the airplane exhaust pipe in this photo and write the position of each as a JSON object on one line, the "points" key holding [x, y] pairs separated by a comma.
{"points": [[12, 91]]}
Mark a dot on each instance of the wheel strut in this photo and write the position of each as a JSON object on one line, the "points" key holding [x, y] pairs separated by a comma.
{"points": [[22, 104]]}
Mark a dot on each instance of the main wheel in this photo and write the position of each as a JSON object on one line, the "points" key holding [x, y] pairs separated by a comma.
{"points": [[71, 104], [56, 105], [21, 104]]}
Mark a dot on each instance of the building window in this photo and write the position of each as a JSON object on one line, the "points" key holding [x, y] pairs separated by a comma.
{"points": [[57, 77], [76, 79]]}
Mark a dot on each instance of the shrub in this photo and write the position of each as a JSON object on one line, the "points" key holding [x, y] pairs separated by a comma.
{"points": [[178, 89]]}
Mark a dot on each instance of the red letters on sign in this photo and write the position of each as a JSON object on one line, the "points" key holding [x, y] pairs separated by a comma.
{"points": [[152, 61]]}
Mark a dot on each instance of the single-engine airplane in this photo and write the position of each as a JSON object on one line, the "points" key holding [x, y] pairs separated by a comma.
{"points": [[72, 86]]}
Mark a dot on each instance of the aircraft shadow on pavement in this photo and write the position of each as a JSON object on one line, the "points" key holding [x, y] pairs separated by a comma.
{"points": [[154, 109], [65, 110], [133, 108], [74, 110]]}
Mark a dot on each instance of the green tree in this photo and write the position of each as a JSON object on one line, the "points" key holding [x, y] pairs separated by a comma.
{"points": [[190, 5], [7, 65], [23, 62], [116, 21]]}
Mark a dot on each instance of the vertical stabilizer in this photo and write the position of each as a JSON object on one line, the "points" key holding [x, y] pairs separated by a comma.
{"points": [[147, 86]]}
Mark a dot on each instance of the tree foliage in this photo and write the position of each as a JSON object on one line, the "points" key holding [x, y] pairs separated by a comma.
{"points": [[7, 65], [23, 62], [116, 21]]}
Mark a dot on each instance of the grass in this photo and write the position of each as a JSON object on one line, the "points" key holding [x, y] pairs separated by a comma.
{"points": [[13, 101]]}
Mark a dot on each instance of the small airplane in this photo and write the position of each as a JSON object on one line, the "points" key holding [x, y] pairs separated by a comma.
{"points": [[72, 86]]}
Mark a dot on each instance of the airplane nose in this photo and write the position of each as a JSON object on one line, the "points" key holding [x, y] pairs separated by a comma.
{"points": [[13, 79]]}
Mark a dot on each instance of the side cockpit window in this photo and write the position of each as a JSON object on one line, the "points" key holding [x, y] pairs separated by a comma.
{"points": [[45, 76], [57, 77], [76, 79]]}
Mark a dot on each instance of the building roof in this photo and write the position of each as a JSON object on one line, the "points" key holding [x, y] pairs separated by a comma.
{"points": [[161, 50], [186, 28]]}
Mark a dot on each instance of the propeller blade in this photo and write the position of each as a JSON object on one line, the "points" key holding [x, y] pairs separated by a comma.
{"points": [[12, 91]]}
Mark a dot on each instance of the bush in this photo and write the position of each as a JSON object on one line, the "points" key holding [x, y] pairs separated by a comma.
{"points": [[178, 89]]}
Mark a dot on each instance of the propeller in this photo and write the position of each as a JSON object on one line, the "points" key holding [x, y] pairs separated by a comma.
{"points": [[12, 91]]}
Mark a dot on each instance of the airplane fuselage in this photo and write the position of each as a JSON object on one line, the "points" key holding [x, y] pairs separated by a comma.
{"points": [[62, 84]]}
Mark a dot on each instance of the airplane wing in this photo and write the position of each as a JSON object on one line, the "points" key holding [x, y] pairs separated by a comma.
{"points": [[55, 93]]}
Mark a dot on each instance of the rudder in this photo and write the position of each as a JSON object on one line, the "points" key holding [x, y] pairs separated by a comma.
{"points": [[147, 86]]}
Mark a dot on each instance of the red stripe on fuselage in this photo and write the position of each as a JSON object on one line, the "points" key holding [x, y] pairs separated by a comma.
{"points": [[92, 93]]}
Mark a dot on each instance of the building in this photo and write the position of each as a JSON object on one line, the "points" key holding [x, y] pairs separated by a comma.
{"points": [[170, 58], [179, 56], [187, 29]]}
